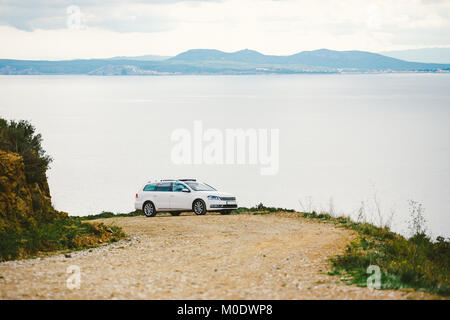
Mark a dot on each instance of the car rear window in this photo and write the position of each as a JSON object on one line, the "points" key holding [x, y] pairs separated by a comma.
{"points": [[165, 186], [150, 187]]}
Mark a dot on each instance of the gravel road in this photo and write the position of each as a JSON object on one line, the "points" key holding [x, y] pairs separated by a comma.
{"points": [[198, 257]]}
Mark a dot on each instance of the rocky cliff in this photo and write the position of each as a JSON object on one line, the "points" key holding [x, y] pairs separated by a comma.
{"points": [[29, 225], [16, 194]]}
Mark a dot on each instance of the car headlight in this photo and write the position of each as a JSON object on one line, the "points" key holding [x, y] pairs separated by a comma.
{"points": [[213, 198]]}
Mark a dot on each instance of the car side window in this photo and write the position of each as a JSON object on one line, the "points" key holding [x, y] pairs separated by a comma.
{"points": [[178, 187], [164, 186], [150, 187]]}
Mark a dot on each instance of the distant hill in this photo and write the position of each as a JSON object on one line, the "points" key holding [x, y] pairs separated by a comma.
{"points": [[318, 58], [352, 60], [199, 55], [426, 55], [210, 61]]}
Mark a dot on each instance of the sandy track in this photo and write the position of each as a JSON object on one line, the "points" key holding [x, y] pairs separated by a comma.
{"points": [[198, 257]]}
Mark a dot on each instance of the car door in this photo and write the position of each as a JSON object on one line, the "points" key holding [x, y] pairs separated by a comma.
{"points": [[162, 195], [179, 199]]}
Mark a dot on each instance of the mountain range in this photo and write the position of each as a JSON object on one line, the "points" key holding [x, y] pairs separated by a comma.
{"points": [[210, 61]]}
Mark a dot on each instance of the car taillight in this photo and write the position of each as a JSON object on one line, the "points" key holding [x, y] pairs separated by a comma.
{"points": [[137, 196]]}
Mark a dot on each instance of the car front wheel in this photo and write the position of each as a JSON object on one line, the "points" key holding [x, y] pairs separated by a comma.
{"points": [[199, 207], [149, 209]]}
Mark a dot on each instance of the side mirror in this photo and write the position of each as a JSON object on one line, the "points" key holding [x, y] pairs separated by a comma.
{"points": [[185, 190]]}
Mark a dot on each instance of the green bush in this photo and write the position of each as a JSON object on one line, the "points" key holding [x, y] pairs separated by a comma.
{"points": [[26, 237], [20, 137]]}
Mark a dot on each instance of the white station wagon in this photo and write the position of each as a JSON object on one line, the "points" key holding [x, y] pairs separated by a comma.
{"points": [[176, 196]]}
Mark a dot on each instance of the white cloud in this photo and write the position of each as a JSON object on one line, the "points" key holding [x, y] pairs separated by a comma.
{"points": [[169, 27]]}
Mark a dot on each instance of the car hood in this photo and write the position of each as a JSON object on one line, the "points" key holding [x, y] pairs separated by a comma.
{"points": [[218, 193]]}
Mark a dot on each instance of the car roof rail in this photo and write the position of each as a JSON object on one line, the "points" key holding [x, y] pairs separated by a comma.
{"points": [[167, 180]]}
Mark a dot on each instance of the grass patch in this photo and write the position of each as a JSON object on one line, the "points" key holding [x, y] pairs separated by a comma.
{"points": [[25, 237], [107, 214], [260, 209], [416, 262]]}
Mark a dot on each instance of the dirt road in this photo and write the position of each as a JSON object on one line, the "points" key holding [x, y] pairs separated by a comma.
{"points": [[198, 257]]}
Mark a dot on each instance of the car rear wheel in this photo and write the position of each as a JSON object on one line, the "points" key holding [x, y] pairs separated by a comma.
{"points": [[149, 209], [199, 207]]}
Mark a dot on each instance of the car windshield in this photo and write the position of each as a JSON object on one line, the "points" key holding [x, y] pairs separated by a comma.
{"points": [[197, 186]]}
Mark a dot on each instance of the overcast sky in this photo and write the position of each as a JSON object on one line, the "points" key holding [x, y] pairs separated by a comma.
{"points": [[59, 29]]}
